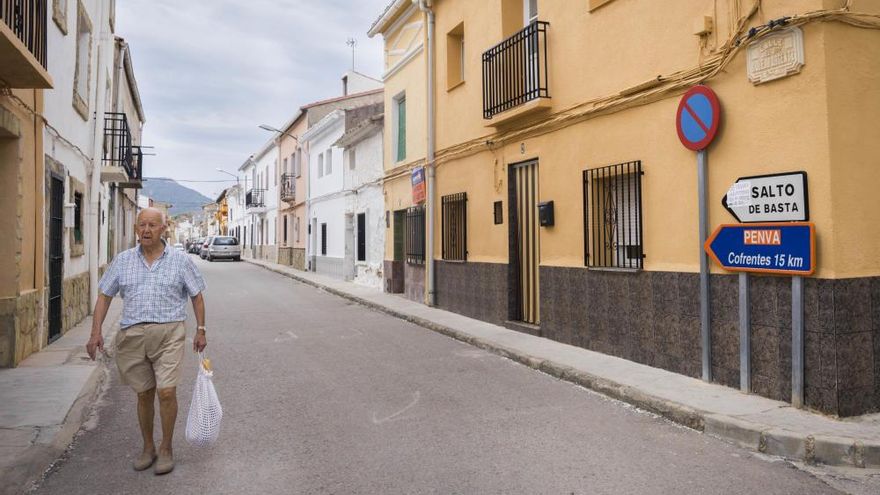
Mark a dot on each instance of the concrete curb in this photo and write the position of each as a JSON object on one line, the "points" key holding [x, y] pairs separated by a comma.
{"points": [[50, 445], [812, 449]]}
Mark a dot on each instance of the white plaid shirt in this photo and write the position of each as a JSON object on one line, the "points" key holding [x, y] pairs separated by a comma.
{"points": [[155, 293]]}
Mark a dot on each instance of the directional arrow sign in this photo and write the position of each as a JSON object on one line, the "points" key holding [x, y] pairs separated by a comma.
{"points": [[782, 248], [769, 198]]}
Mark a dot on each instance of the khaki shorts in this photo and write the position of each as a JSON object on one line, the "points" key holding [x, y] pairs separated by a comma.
{"points": [[150, 355]]}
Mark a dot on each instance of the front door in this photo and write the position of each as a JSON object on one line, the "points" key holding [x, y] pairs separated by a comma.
{"points": [[525, 245], [56, 256]]}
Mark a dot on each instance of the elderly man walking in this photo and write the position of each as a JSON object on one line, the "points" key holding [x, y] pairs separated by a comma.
{"points": [[154, 282]]}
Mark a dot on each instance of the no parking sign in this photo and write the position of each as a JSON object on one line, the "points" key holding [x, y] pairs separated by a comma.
{"points": [[697, 118]]}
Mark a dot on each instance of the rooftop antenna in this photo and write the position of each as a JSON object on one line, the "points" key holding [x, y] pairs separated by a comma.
{"points": [[352, 43]]}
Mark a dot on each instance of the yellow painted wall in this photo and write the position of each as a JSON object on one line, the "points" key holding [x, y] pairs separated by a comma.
{"points": [[780, 126], [23, 197], [398, 196], [411, 79], [853, 110]]}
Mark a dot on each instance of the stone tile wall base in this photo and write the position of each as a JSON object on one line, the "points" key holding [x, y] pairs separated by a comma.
{"points": [[285, 256], [478, 290], [393, 276], [298, 258], [74, 300], [22, 327], [653, 318], [326, 265], [414, 282]]}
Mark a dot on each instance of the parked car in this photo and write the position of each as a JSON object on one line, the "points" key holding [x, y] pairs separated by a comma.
{"points": [[224, 247], [203, 252], [179, 247], [195, 247]]}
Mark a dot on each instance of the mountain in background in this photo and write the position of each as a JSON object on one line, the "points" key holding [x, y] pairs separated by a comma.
{"points": [[182, 198]]}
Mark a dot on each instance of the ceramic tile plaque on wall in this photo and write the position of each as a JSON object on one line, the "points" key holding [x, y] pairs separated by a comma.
{"points": [[776, 55]]}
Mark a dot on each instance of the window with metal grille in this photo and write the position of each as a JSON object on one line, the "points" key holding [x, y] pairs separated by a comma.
{"points": [[455, 227], [613, 216], [323, 239], [415, 235]]}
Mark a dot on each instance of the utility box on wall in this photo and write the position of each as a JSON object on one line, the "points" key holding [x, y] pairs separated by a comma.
{"points": [[545, 213]]}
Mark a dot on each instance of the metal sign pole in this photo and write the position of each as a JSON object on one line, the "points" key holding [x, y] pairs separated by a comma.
{"points": [[745, 344], [705, 335], [797, 341]]}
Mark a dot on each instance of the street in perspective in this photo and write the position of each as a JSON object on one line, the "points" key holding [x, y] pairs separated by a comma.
{"points": [[439, 246]]}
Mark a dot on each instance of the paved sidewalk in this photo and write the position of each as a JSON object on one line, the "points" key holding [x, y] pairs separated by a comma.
{"points": [[751, 421], [46, 400]]}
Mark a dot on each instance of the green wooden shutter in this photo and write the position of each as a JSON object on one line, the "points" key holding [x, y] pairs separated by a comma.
{"points": [[401, 129]]}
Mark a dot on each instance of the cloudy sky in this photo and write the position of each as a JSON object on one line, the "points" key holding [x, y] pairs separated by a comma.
{"points": [[211, 71]]}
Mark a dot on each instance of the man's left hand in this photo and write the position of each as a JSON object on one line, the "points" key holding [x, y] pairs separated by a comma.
{"points": [[199, 342]]}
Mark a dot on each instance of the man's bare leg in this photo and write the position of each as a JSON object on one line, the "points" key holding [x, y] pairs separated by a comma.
{"points": [[146, 413], [168, 413]]}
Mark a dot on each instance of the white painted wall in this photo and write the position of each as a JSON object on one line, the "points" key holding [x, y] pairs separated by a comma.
{"points": [[368, 198], [326, 199], [76, 141]]}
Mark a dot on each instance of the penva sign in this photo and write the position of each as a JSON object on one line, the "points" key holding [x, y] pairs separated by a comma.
{"points": [[781, 248]]}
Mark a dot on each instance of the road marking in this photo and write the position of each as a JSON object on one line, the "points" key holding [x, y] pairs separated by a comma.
{"points": [[357, 333], [292, 336], [416, 396]]}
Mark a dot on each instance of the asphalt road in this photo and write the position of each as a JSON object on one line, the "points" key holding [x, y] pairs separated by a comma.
{"points": [[321, 395]]}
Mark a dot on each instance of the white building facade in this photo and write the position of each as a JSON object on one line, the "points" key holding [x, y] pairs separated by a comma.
{"points": [[326, 203], [362, 178], [260, 176], [94, 119]]}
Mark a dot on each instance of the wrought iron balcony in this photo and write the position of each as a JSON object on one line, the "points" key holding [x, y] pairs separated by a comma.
{"points": [[23, 43], [122, 161], [288, 187], [135, 179], [515, 70], [254, 200]]}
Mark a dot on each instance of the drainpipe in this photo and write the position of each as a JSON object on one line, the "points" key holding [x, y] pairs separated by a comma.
{"points": [[429, 159]]}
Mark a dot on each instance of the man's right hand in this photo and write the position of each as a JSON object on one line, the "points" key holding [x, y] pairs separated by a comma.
{"points": [[96, 343]]}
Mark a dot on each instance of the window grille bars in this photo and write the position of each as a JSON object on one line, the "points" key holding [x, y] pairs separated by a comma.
{"points": [[613, 216], [454, 227]]}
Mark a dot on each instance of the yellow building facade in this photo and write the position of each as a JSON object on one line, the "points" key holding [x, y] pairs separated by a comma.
{"points": [[23, 276], [403, 29], [575, 103]]}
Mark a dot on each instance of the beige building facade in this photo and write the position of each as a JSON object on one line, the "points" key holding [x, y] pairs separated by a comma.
{"points": [[23, 79], [402, 27], [575, 103]]}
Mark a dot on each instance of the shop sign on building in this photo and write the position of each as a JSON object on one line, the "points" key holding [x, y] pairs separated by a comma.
{"points": [[776, 55], [769, 198], [418, 185]]}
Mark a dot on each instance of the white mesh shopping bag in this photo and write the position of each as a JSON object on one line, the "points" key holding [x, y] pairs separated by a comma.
{"points": [[203, 422]]}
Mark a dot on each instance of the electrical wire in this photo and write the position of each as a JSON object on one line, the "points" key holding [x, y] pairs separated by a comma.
{"points": [[669, 85], [6, 91], [187, 180]]}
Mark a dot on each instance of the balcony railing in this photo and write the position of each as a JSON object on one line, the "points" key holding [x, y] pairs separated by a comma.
{"points": [[255, 198], [288, 187], [118, 149], [515, 70], [135, 174], [27, 20]]}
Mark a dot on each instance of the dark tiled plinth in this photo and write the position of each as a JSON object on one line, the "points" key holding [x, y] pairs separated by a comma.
{"points": [[653, 318], [477, 290]]}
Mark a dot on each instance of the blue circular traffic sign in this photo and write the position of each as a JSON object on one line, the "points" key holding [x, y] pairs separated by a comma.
{"points": [[697, 118]]}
